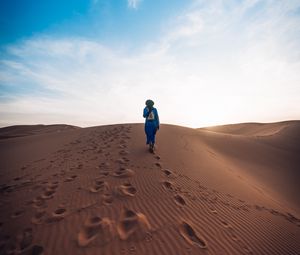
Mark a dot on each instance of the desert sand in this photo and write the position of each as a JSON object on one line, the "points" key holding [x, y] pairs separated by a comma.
{"points": [[230, 189]]}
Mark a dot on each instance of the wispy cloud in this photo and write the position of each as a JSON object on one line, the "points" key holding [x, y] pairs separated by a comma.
{"points": [[134, 4], [215, 63], [85, 79]]}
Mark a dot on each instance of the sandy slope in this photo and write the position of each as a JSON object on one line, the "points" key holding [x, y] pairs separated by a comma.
{"points": [[267, 153], [24, 130], [99, 191]]}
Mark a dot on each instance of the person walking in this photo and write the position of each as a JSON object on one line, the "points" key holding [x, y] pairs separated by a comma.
{"points": [[151, 123]]}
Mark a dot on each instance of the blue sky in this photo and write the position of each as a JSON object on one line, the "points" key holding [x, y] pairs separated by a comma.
{"points": [[96, 62], [102, 20]]}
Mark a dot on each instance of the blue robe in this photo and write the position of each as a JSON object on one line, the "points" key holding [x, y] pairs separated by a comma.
{"points": [[151, 126]]}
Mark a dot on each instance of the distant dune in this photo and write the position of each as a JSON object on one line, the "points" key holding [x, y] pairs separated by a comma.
{"points": [[231, 189], [24, 130], [255, 129]]}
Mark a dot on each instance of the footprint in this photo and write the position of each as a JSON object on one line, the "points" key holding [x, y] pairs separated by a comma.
{"points": [[58, 215], [123, 173], [124, 152], [93, 227], [122, 142], [71, 178], [291, 218], [100, 182], [120, 161], [274, 212], [26, 238], [107, 199], [213, 211], [17, 213], [39, 202], [59, 212], [126, 159], [48, 194], [6, 188], [190, 236], [168, 185], [52, 186], [104, 173], [158, 164], [225, 224], [179, 200], [167, 172], [100, 186], [131, 222], [38, 217], [127, 189]]}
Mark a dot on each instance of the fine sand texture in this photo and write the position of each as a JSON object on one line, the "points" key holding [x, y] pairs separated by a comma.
{"points": [[230, 189]]}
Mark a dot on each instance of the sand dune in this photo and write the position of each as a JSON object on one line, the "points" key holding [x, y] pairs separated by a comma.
{"points": [[254, 129], [270, 155], [24, 130], [221, 190]]}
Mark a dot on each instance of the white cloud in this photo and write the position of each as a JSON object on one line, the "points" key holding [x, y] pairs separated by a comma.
{"points": [[86, 79], [214, 64], [134, 4]]}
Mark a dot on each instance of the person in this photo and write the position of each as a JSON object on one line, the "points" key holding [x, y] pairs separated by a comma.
{"points": [[151, 123]]}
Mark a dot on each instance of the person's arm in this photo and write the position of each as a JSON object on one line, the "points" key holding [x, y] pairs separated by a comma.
{"points": [[157, 119], [146, 112]]}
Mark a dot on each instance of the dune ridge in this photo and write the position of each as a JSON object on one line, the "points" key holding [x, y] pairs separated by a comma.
{"points": [[25, 130], [98, 190], [254, 128]]}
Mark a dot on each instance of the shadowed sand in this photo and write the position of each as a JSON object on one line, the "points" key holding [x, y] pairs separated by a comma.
{"points": [[229, 189]]}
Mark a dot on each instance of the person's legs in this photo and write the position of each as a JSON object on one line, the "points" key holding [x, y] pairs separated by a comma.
{"points": [[152, 138], [150, 133], [147, 131]]}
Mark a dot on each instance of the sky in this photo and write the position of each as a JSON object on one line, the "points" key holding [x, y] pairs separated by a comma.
{"points": [[96, 62]]}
